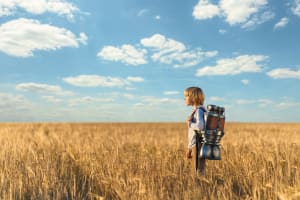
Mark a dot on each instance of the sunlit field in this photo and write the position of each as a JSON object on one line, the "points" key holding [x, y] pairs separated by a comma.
{"points": [[145, 161]]}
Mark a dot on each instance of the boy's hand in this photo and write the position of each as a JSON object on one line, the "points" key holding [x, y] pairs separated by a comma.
{"points": [[189, 154], [188, 120]]}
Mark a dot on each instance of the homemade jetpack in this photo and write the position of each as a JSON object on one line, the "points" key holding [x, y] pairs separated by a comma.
{"points": [[208, 140]]}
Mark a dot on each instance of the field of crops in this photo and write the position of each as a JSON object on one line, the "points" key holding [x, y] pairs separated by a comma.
{"points": [[145, 161]]}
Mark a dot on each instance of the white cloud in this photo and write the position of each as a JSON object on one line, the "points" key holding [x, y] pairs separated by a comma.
{"points": [[162, 44], [145, 11], [217, 99], [187, 58], [244, 101], [88, 99], [281, 73], [127, 54], [258, 19], [135, 79], [130, 88], [239, 11], [129, 96], [205, 10], [164, 50], [282, 23], [296, 7], [260, 102], [15, 108], [52, 99], [43, 88], [222, 31], [142, 12], [12, 102], [169, 51], [21, 37], [245, 81], [139, 105], [233, 66], [151, 101], [60, 7], [83, 38], [171, 92], [264, 102], [96, 81], [164, 100], [285, 105], [234, 12]]}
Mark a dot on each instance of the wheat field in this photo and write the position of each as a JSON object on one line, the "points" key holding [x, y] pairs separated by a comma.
{"points": [[145, 161]]}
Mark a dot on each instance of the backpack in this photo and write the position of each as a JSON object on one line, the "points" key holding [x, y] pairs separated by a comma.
{"points": [[213, 133]]}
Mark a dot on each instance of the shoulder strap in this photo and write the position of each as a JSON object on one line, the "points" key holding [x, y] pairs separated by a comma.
{"points": [[204, 116], [203, 109]]}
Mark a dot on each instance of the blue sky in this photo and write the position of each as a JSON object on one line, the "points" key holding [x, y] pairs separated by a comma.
{"points": [[97, 60]]}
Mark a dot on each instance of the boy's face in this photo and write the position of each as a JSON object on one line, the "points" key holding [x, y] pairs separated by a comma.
{"points": [[187, 100]]}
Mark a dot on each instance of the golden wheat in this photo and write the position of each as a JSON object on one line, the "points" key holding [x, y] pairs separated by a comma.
{"points": [[145, 161]]}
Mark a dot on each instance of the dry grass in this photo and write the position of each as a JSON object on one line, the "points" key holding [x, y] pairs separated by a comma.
{"points": [[145, 161]]}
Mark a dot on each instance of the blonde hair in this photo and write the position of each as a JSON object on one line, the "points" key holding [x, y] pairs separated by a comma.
{"points": [[195, 94]]}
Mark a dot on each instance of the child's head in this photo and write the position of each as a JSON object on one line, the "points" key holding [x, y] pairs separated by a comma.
{"points": [[194, 96]]}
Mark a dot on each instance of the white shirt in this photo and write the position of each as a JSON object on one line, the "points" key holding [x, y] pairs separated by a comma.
{"points": [[197, 123]]}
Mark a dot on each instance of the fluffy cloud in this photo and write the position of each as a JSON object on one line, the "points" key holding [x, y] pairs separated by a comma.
{"points": [[135, 79], [162, 44], [127, 54], [164, 50], [235, 12], [260, 102], [21, 37], [42, 88], [51, 99], [12, 102], [88, 99], [245, 81], [60, 7], [233, 66], [281, 73], [100, 81], [82, 38], [14, 107], [222, 31], [296, 7], [216, 99], [258, 19], [151, 101], [282, 23], [169, 51], [286, 105], [171, 92], [239, 11], [205, 10]]}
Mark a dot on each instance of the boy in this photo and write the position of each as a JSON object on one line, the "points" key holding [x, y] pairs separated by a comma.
{"points": [[194, 97]]}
